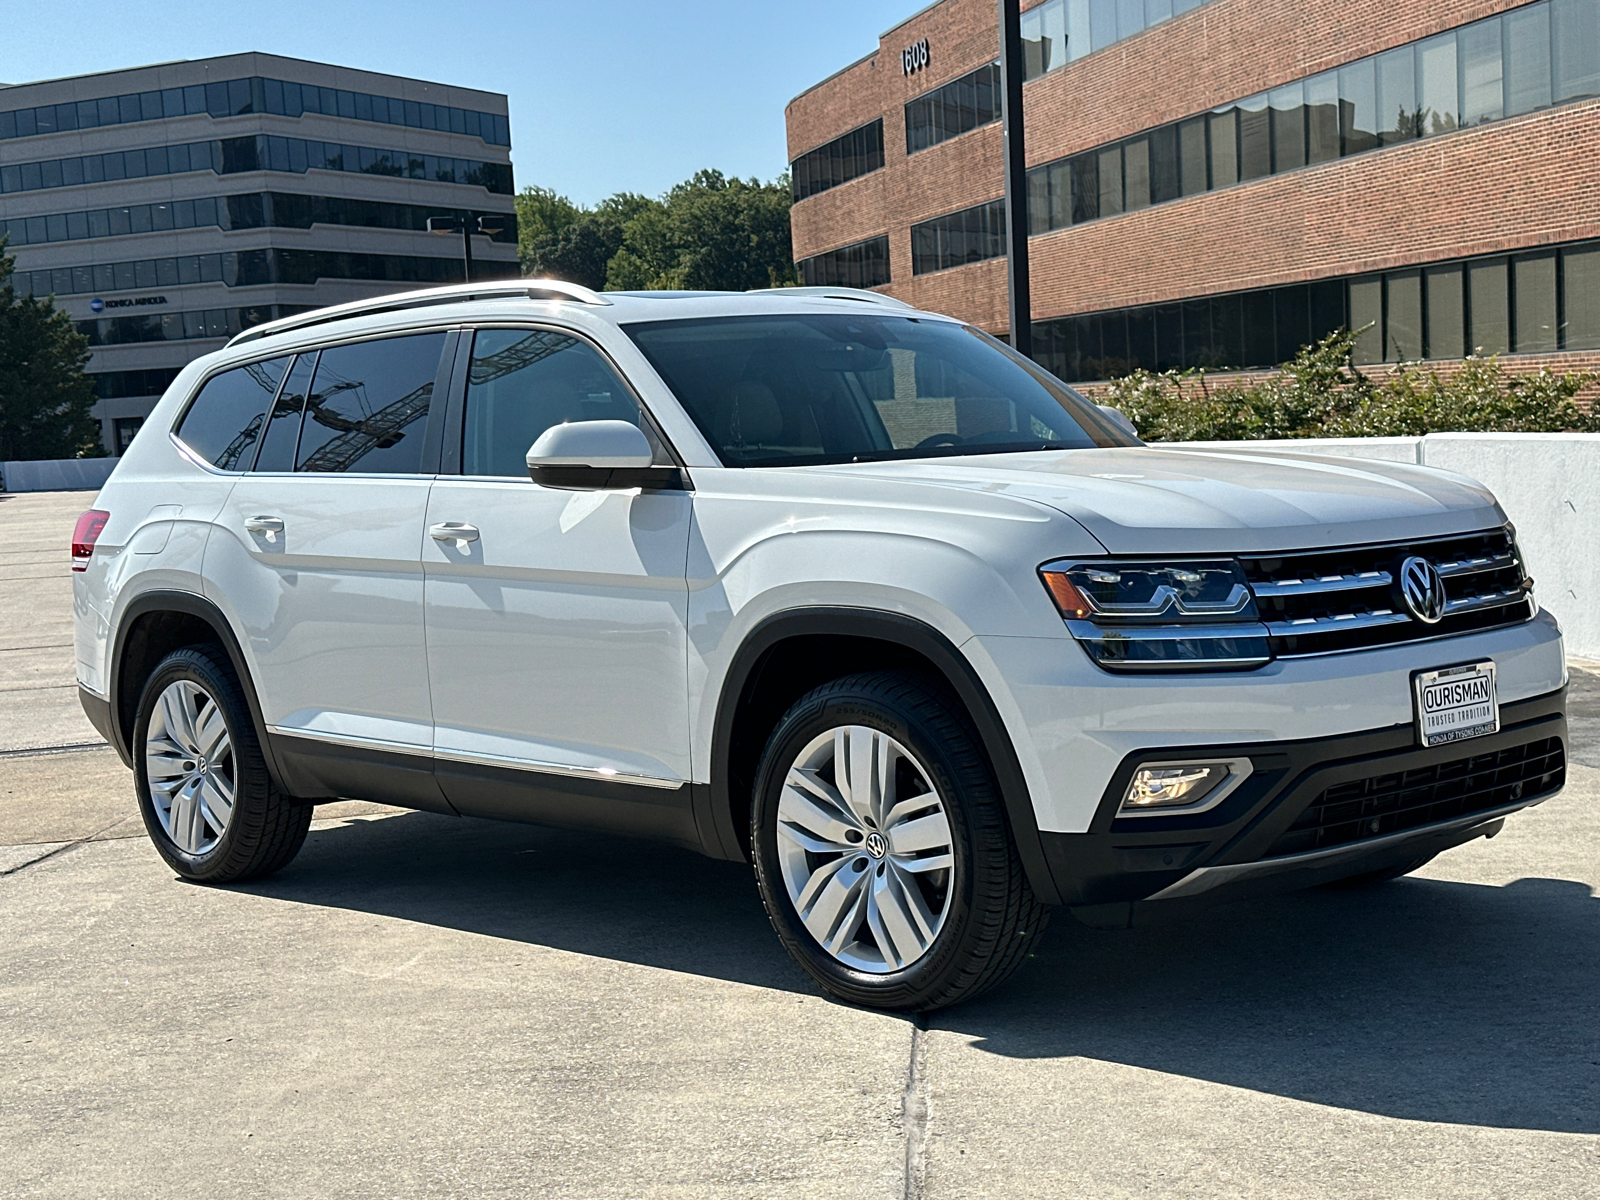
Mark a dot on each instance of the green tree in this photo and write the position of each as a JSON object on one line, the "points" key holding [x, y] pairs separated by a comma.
{"points": [[711, 233], [45, 397], [542, 217]]}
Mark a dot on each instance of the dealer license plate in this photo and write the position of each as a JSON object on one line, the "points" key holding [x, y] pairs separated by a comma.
{"points": [[1457, 703]]}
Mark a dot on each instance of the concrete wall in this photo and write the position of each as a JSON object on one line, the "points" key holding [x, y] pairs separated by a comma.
{"points": [[1548, 483], [56, 475]]}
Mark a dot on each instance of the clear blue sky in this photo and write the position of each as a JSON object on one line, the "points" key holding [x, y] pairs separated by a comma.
{"points": [[606, 95]]}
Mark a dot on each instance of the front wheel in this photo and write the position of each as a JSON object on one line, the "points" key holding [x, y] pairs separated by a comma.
{"points": [[882, 850], [208, 801]]}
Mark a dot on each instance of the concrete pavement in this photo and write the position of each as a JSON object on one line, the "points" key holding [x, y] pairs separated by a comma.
{"points": [[422, 1006]]}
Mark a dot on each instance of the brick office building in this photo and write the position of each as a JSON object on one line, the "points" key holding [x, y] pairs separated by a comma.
{"points": [[1218, 182]]}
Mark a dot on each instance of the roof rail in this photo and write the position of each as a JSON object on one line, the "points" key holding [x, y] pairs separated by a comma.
{"points": [[527, 289], [861, 295]]}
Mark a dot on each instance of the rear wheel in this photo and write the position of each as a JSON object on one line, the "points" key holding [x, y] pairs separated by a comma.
{"points": [[208, 802], [882, 850]]}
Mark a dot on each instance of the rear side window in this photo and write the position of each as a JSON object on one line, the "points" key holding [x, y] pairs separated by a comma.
{"points": [[367, 409], [523, 381], [282, 436], [224, 423]]}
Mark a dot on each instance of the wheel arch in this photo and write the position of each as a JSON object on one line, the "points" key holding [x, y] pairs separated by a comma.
{"points": [[808, 647], [152, 626]]}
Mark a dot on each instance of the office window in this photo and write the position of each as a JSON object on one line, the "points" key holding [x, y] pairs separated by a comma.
{"points": [[1192, 165], [1402, 340], [1223, 131], [1482, 67], [1322, 117], [841, 160], [1044, 39], [1366, 310], [1085, 187], [1079, 41], [1397, 95], [1136, 173], [1102, 23], [1164, 183], [225, 419], [1109, 166], [1437, 85], [1130, 18], [863, 265], [1580, 278], [1446, 311], [1576, 37], [1533, 285], [1528, 73], [1255, 138], [1358, 106], [1287, 107], [965, 104], [1488, 306], [968, 236]]}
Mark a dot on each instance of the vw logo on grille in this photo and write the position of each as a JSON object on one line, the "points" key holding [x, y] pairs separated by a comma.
{"points": [[1422, 588], [877, 844]]}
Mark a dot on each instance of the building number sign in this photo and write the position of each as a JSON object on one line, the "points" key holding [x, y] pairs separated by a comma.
{"points": [[914, 57]]}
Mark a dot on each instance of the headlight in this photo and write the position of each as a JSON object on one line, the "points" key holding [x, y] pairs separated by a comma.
{"points": [[1160, 615]]}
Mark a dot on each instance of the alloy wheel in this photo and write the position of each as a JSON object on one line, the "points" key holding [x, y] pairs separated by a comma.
{"points": [[865, 849], [190, 767]]}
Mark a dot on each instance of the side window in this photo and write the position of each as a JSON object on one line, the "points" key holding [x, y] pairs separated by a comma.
{"points": [[224, 422], [523, 381], [283, 426], [368, 406]]}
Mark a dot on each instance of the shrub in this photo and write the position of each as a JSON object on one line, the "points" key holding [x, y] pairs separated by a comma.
{"points": [[1323, 394]]}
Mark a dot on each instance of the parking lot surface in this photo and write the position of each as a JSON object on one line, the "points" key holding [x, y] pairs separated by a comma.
{"points": [[426, 1006]]}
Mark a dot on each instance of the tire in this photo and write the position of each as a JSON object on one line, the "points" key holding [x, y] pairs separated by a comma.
{"points": [[918, 888], [193, 706]]}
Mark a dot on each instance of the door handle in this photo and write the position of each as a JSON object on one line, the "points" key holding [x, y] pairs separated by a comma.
{"points": [[271, 526], [454, 531]]}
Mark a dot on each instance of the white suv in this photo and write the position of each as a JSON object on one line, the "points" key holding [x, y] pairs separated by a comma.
{"points": [[807, 578]]}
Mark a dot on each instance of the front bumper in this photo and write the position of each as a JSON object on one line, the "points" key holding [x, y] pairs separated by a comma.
{"points": [[1312, 811]]}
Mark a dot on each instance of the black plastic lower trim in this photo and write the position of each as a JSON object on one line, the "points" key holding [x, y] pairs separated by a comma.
{"points": [[1132, 858], [98, 710]]}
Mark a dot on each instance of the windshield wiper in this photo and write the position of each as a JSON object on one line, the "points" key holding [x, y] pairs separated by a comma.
{"points": [[958, 451]]}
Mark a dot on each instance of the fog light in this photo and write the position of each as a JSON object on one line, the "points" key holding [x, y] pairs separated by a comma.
{"points": [[1172, 788]]}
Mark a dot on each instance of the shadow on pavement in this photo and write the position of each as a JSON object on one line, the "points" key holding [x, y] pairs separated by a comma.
{"points": [[1418, 999]]}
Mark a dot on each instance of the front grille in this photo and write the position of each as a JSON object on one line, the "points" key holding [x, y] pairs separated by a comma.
{"points": [[1385, 804], [1330, 600]]}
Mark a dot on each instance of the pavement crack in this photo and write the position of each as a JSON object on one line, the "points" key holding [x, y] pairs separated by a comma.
{"points": [[914, 1106], [61, 849]]}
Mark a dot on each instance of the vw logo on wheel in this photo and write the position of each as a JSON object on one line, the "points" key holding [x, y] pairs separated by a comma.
{"points": [[877, 844], [1422, 588]]}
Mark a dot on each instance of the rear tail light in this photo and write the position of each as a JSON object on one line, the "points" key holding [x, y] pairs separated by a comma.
{"points": [[86, 535]]}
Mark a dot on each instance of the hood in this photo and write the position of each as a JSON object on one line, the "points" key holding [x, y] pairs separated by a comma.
{"points": [[1150, 500]]}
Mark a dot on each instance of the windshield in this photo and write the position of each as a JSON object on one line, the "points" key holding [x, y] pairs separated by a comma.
{"points": [[801, 389]]}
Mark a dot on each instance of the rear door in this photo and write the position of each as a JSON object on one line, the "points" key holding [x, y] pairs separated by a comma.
{"points": [[317, 558], [556, 631]]}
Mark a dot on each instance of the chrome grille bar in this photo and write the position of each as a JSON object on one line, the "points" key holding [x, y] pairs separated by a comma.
{"points": [[1475, 566], [1492, 600], [1325, 583], [1335, 624]]}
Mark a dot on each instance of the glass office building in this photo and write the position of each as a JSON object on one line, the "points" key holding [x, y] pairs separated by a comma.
{"points": [[1198, 197], [168, 207]]}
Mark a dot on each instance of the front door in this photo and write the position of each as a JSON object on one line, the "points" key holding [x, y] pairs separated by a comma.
{"points": [[318, 555], [555, 618]]}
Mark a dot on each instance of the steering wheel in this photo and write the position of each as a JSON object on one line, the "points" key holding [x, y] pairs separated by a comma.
{"points": [[940, 439]]}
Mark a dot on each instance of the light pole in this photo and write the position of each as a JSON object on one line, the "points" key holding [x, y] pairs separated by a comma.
{"points": [[467, 224], [1018, 303]]}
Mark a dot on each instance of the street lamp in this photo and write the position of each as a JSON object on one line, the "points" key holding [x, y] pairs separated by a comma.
{"points": [[1019, 304], [467, 224]]}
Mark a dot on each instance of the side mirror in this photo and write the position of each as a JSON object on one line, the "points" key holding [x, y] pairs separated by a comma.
{"points": [[1118, 418], [597, 454]]}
